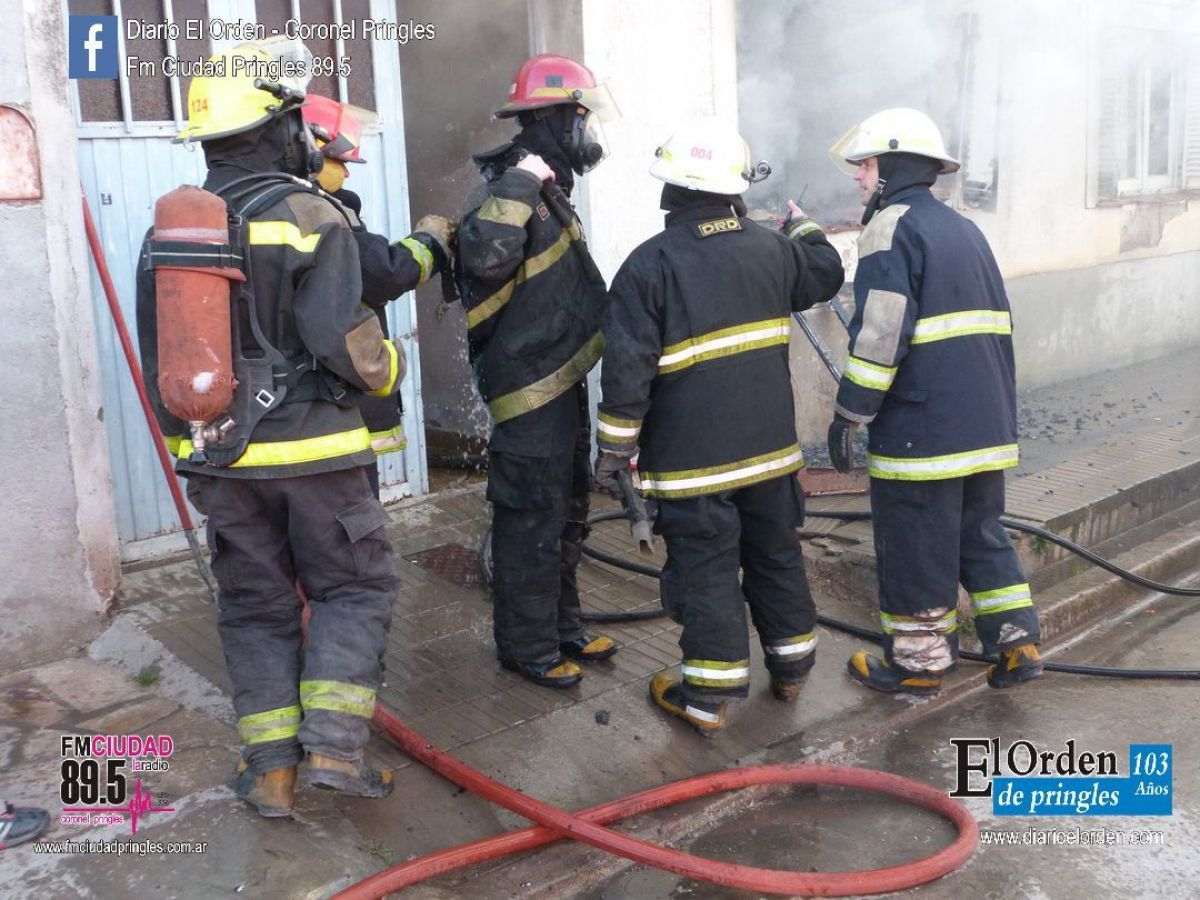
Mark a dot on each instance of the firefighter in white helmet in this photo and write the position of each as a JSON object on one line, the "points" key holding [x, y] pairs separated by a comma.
{"points": [[695, 378], [931, 373]]}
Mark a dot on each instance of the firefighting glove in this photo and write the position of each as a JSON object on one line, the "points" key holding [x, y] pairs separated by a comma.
{"points": [[438, 234], [535, 165], [798, 223], [841, 443], [609, 464]]}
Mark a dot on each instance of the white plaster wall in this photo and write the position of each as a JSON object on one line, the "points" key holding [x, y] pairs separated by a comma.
{"points": [[664, 62], [58, 553]]}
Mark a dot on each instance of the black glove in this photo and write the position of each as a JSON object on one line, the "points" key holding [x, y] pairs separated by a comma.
{"points": [[608, 466], [841, 443]]}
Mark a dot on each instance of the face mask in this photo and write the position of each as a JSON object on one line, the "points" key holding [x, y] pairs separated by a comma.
{"points": [[588, 147]]}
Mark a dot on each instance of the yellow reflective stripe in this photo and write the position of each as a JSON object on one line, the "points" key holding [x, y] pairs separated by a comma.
{"points": [[389, 440], [869, 374], [283, 453], [955, 465], [957, 324], [619, 430], [526, 399], [800, 645], [899, 624], [505, 212], [282, 233], [393, 372], [716, 673], [1015, 596], [421, 254], [724, 342], [338, 696], [272, 725], [173, 441], [691, 482], [535, 265]]}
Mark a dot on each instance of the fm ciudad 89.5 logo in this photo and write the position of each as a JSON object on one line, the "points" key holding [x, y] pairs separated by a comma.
{"points": [[102, 777], [1066, 782]]}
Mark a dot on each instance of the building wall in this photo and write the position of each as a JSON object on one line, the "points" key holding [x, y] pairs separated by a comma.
{"points": [[657, 83], [58, 551]]}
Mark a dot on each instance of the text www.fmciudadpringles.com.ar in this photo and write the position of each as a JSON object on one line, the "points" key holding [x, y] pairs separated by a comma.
{"points": [[120, 848]]}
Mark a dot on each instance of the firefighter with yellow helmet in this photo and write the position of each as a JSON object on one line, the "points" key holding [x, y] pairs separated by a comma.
{"points": [[931, 373], [695, 380], [280, 475]]}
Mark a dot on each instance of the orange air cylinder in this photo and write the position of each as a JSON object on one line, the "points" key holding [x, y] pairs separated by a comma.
{"points": [[195, 344]]}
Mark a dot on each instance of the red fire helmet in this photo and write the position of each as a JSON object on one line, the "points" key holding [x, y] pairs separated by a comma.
{"points": [[550, 80], [337, 129]]}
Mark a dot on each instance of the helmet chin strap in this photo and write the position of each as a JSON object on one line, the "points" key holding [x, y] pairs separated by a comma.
{"points": [[874, 201]]}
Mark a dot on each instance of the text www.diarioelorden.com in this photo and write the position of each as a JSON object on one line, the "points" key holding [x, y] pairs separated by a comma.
{"points": [[120, 848], [1072, 837]]}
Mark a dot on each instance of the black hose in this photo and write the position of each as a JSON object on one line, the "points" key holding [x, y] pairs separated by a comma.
{"points": [[877, 637]]}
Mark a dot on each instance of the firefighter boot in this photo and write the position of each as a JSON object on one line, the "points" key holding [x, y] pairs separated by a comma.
{"points": [[1015, 666], [706, 718], [271, 793], [560, 673], [787, 691], [348, 776], [878, 675], [589, 648]]}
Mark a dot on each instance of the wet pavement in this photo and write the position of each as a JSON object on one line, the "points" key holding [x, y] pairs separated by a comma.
{"points": [[158, 669], [832, 830]]}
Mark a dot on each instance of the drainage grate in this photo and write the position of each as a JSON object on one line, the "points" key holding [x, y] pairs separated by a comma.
{"points": [[454, 562]]}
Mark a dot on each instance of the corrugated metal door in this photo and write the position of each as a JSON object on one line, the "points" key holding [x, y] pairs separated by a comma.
{"points": [[126, 165]]}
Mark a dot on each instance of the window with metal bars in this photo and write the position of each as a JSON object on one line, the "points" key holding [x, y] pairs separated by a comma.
{"points": [[141, 104]]}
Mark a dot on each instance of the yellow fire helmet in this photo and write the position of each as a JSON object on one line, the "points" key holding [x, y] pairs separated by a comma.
{"points": [[892, 131], [244, 87]]}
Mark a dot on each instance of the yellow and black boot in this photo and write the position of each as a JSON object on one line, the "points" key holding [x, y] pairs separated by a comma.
{"points": [[877, 674], [589, 648], [272, 793], [560, 673], [348, 776], [1017, 665], [706, 718]]}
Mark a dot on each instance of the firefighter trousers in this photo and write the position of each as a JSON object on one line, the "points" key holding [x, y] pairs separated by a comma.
{"points": [[324, 532], [930, 536], [539, 524], [708, 538]]}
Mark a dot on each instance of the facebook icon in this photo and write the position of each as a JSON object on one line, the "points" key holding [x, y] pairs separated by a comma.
{"points": [[93, 47]]}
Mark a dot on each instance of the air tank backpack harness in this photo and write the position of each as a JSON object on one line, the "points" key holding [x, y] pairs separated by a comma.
{"points": [[217, 370]]}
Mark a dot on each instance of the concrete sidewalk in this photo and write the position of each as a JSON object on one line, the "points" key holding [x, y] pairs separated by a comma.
{"points": [[158, 669]]}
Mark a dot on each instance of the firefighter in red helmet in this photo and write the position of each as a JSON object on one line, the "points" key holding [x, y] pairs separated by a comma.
{"points": [[534, 299], [389, 268]]}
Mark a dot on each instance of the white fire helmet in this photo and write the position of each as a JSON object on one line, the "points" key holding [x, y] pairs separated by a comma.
{"points": [[705, 154], [892, 131]]}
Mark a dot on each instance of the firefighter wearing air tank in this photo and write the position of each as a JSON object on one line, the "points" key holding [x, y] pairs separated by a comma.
{"points": [[533, 299], [280, 475], [931, 373], [389, 268], [695, 378]]}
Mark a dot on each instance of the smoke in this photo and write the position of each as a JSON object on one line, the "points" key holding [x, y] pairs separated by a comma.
{"points": [[997, 78]]}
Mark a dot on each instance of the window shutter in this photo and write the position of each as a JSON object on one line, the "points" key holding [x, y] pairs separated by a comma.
{"points": [[1107, 136], [1191, 128]]}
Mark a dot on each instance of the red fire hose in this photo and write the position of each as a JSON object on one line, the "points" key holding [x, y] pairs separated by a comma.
{"points": [[555, 824]]}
